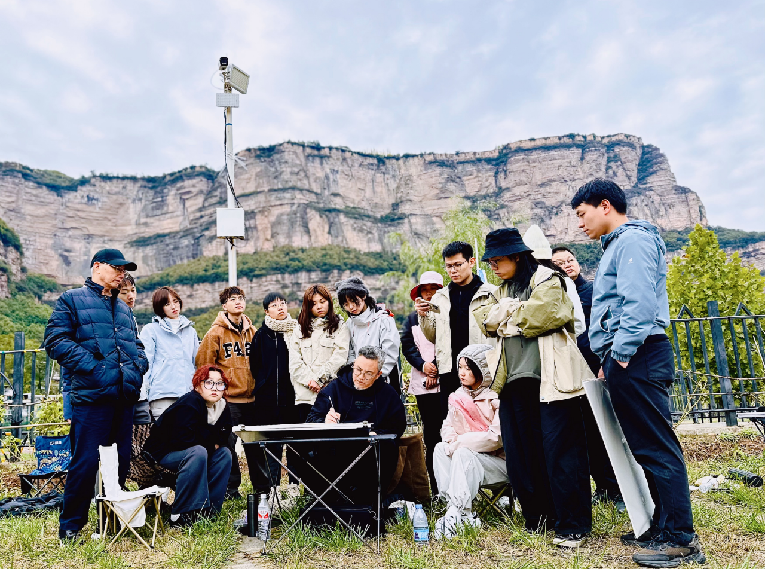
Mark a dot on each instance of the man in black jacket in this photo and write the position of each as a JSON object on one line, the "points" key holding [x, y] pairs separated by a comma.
{"points": [[274, 394], [354, 397], [92, 334]]}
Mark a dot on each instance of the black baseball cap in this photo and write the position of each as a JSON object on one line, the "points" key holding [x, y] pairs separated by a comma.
{"points": [[113, 257]]}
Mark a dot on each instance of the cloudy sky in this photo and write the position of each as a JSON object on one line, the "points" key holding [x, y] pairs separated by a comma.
{"points": [[128, 87]]}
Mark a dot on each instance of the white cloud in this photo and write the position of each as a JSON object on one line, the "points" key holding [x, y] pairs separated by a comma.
{"points": [[396, 76]]}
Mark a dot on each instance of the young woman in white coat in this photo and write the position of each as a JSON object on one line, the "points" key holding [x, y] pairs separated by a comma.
{"points": [[318, 348], [171, 344]]}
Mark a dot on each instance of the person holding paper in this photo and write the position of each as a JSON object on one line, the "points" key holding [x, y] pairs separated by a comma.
{"points": [[630, 312]]}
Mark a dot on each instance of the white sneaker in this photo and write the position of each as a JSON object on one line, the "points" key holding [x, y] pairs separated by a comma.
{"points": [[446, 526], [471, 519]]}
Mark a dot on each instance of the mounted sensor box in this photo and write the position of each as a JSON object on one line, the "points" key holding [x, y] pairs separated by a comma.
{"points": [[226, 99], [230, 222]]}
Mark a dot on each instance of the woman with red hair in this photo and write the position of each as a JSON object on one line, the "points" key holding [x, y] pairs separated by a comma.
{"points": [[190, 438]]}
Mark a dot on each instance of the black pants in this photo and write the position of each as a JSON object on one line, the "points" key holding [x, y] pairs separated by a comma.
{"points": [[449, 382], [600, 465], [93, 426], [565, 449], [429, 405], [640, 395], [521, 424], [242, 414]]}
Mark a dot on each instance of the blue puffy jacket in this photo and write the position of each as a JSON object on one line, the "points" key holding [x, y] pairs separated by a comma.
{"points": [[629, 296], [95, 338]]}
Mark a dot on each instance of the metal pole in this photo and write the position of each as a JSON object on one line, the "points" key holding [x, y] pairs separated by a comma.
{"points": [[232, 280], [18, 381], [721, 358]]}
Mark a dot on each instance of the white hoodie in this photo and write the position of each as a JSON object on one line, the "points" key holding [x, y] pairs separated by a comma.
{"points": [[375, 329]]}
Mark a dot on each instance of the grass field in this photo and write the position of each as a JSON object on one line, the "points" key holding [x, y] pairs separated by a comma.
{"points": [[731, 526]]}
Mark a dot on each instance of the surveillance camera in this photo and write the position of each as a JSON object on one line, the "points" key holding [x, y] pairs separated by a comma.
{"points": [[223, 63]]}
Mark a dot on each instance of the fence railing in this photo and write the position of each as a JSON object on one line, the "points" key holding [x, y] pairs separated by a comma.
{"points": [[23, 379], [707, 350]]}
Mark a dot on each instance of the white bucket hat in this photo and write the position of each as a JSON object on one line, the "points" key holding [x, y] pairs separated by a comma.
{"points": [[535, 240], [428, 277]]}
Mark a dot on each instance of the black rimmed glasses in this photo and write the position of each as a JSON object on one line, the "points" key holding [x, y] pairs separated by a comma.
{"points": [[214, 385], [454, 266], [365, 374]]}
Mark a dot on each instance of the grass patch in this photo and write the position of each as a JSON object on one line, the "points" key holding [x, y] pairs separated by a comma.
{"points": [[731, 526]]}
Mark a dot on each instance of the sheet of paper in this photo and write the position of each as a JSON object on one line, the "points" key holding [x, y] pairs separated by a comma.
{"points": [[629, 474]]}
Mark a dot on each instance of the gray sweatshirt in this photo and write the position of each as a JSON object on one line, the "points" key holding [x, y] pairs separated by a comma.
{"points": [[375, 329]]}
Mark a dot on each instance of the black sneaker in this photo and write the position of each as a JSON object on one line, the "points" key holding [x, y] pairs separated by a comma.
{"points": [[571, 541], [668, 554], [68, 536], [232, 495], [185, 520], [640, 541]]}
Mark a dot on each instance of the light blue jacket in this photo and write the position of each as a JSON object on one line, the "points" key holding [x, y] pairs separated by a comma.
{"points": [[171, 358], [629, 295]]}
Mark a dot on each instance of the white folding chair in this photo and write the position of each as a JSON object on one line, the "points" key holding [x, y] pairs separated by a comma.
{"points": [[116, 504]]}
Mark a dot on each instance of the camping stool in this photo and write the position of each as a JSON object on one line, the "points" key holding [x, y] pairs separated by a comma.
{"points": [[117, 506], [486, 502], [53, 456]]}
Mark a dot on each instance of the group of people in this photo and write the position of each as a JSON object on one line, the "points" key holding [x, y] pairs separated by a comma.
{"points": [[497, 373]]}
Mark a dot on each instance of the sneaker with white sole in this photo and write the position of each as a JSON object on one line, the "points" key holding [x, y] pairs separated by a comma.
{"points": [[446, 526], [667, 554], [571, 541], [471, 519]]}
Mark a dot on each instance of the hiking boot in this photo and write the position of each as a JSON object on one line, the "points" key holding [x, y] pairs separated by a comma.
{"points": [[232, 494], [571, 541], [185, 519], [667, 554]]}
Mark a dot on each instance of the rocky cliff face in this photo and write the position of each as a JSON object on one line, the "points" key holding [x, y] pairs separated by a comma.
{"points": [[10, 261], [304, 195]]}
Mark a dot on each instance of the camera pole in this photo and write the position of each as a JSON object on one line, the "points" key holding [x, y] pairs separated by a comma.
{"points": [[230, 220], [232, 277]]}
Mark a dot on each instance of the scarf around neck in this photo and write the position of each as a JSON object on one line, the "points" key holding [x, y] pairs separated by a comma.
{"points": [[465, 404], [214, 412], [284, 326]]}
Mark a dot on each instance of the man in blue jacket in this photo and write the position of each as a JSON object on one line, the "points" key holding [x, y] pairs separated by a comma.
{"points": [[92, 334], [629, 313]]}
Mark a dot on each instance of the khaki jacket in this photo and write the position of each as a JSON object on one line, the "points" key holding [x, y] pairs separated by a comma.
{"points": [[435, 325], [523, 325], [225, 347], [316, 358]]}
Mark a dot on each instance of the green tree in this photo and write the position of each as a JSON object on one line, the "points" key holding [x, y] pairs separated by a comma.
{"points": [[706, 273], [462, 223]]}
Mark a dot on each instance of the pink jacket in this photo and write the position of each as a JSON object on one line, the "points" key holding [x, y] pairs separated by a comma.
{"points": [[456, 429]]}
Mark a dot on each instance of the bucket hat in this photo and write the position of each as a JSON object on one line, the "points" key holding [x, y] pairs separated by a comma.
{"points": [[428, 277], [502, 242]]}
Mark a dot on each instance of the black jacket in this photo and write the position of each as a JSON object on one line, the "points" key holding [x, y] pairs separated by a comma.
{"points": [[584, 290], [94, 337], [408, 347], [184, 425], [270, 368], [379, 405]]}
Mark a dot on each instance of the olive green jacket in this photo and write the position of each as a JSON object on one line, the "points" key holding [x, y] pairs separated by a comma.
{"points": [[543, 307]]}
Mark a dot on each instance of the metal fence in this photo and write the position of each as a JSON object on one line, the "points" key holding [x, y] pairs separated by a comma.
{"points": [[707, 350], [24, 381]]}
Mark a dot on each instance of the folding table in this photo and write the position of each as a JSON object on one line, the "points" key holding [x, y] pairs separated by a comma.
{"points": [[317, 433]]}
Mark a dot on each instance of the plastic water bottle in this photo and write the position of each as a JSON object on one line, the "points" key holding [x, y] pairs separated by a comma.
{"points": [[421, 528], [264, 518]]}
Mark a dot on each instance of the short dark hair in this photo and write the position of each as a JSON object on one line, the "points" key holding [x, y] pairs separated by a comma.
{"points": [[597, 190], [128, 280], [270, 297], [230, 291], [161, 297], [560, 248], [456, 248]]}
